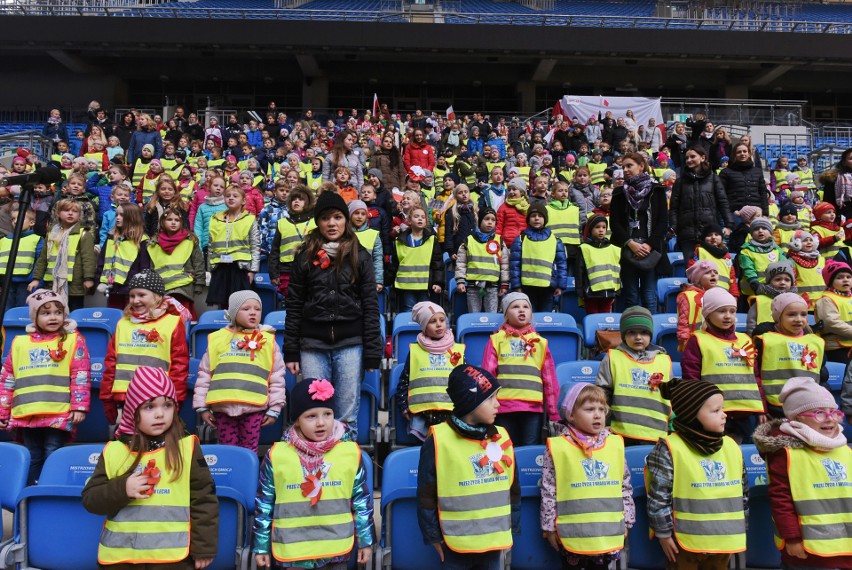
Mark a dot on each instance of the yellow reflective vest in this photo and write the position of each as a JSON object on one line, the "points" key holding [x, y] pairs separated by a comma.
{"points": [[301, 531], [809, 280], [844, 307], [154, 530], [806, 177], [707, 498], [760, 261], [831, 250], [427, 374], [137, 345], [730, 365], [473, 479], [694, 316], [639, 411], [414, 263], [140, 169], [26, 258], [483, 259], [589, 504], [118, 260], [596, 170], [787, 356], [239, 371], [172, 266], [42, 385], [537, 260], [53, 251], [519, 364], [367, 238], [819, 484], [723, 265], [292, 236], [230, 237], [565, 224], [603, 266]]}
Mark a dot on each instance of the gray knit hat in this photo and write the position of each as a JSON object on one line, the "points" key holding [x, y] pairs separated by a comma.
{"points": [[761, 222], [375, 172], [236, 300], [511, 298]]}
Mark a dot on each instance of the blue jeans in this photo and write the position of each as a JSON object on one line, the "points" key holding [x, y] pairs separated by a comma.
{"points": [[344, 368], [524, 427], [483, 561], [411, 298], [637, 282], [41, 442]]}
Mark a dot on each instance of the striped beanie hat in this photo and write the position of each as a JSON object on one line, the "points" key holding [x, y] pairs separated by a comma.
{"points": [[687, 396], [148, 383], [636, 318]]}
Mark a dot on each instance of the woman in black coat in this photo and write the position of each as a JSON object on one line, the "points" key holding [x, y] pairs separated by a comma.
{"points": [[677, 144], [698, 200], [639, 220], [745, 186]]}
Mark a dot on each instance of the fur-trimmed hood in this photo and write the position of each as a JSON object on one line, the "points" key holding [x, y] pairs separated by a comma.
{"points": [[769, 438], [829, 176]]}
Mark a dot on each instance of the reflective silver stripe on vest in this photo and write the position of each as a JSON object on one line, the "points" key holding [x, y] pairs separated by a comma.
{"points": [[518, 384], [588, 506], [707, 506], [304, 509], [339, 531], [537, 262], [810, 289], [726, 279], [144, 540], [136, 360], [645, 403], [740, 395], [522, 369], [58, 397], [713, 527], [729, 378], [592, 529], [290, 239], [479, 525], [241, 368], [473, 502], [640, 420], [237, 243], [833, 506], [830, 531], [144, 513], [235, 384], [41, 380], [430, 398]]}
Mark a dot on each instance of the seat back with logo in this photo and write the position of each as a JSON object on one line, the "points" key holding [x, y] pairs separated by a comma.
{"points": [[97, 326], [208, 322], [577, 371], [564, 339], [760, 536], [404, 333], [473, 330], [645, 554], [95, 427]]}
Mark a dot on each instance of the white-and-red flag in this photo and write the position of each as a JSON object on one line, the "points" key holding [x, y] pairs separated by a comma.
{"points": [[375, 105], [451, 114]]}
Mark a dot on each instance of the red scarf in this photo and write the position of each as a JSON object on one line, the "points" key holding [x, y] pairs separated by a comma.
{"points": [[169, 243]]}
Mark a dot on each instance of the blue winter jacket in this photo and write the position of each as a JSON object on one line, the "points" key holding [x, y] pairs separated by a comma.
{"points": [[559, 277], [140, 139]]}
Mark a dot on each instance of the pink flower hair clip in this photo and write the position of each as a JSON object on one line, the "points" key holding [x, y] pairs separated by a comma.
{"points": [[321, 390]]}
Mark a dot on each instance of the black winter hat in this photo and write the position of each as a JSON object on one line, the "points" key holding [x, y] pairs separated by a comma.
{"points": [[311, 393], [484, 212], [710, 229], [468, 387], [787, 209], [687, 396], [149, 280], [330, 201], [537, 208]]}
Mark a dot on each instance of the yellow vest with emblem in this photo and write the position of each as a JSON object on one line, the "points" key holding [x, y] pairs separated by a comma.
{"points": [[313, 182], [537, 260], [760, 261], [804, 217], [292, 236], [171, 267], [474, 507], [42, 385], [53, 251], [239, 375], [428, 373], [844, 307], [97, 157], [230, 238], [589, 504], [819, 484], [596, 170], [367, 238], [481, 265], [787, 356], [783, 237], [806, 177], [809, 280], [567, 174], [724, 366], [149, 185], [834, 248], [707, 498], [694, 316], [26, 258], [414, 262], [723, 265], [118, 260], [519, 366], [325, 530], [639, 411], [168, 164], [134, 349], [140, 169], [154, 530], [565, 224], [780, 176], [187, 191], [602, 266]]}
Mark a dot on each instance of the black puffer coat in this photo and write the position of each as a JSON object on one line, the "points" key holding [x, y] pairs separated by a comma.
{"points": [[328, 307], [698, 200], [745, 186]]}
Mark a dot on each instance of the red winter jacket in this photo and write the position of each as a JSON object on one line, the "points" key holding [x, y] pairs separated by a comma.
{"points": [[510, 223], [422, 155]]}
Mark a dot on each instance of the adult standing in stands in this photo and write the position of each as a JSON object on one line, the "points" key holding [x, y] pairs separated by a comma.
{"points": [[101, 120], [677, 143], [388, 160], [194, 129], [720, 147], [837, 185], [419, 152], [705, 138], [755, 154], [697, 123], [594, 130], [214, 132], [125, 128], [653, 135], [484, 125], [55, 129], [346, 152], [745, 186], [698, 201], [180, 118], [146, 133]]}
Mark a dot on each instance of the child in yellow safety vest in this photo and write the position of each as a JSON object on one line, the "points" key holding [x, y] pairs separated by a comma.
{"points": [[124, 254], [416, 269], [779, 277], [44, 387], [520, 359], [468, 489], [29, 249], [787, 348], [233, 254], [712, 248], [587, 530], [807, 266], [176, 256], [756, 254], [721, 355], [313, 501], [369, 238], [696, 482], [422, 391], [598, 267], [240, 386], [538, 265], [701, 276], [834, 309], [788, 224], [807, 460], [153, 330], [153, 482], [826, 227], [290, 233], [482, 265], [803, 210]]}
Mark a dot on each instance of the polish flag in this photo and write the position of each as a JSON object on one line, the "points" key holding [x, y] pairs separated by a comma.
{"points": [[375, 105], [451, 114]]}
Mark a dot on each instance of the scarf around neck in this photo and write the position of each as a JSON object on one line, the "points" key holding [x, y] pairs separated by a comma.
{"points": [[761, 246], [311, 452], [437, 345], [637, 189], [520, 204], [717, 252], [706, 442], [806, 259], [169, 243], [812, 437], [586, 442]]}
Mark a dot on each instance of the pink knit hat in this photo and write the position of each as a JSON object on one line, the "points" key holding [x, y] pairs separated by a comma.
{"points": [[716, 298], [801, 394], [831, 269], [40, 297], [422, 313], [783, 301], [698, 270], [148, 383], [748, 213]]}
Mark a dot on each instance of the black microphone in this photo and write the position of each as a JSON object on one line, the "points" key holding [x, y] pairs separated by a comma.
{"points": [[45, 175]]}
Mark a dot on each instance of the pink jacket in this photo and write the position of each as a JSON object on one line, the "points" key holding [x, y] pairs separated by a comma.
{"points": [[277, 396], [200, 195], [254, 201], [548, 378], [79, 384]]}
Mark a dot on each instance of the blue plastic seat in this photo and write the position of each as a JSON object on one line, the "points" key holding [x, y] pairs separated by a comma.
{"points": [[645, 554], [277, 320], [577, 371], [570, 302], [458, 301], [368, 411], [677, 371], [95, 427], [760, 537], [208, 322], [15, 323], [474, 330], [187, 414], [404, 333], [97, 325], [531, 551], [742, 319], [678, 264], [14, 467], [401, 547], [564, 339], [665, 334], [598, 322], [836, 372], [397, 427], [667, 290]]}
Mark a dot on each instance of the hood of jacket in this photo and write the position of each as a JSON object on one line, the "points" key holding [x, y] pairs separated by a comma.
{"points": [[769, 438]]}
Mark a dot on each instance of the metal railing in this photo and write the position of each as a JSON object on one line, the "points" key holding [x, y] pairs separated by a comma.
{"points": [[174, 10], [38, 144], [739, 111]]}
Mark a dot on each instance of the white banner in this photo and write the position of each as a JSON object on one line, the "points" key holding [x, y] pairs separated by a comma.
{"points": [[585, 106]]}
